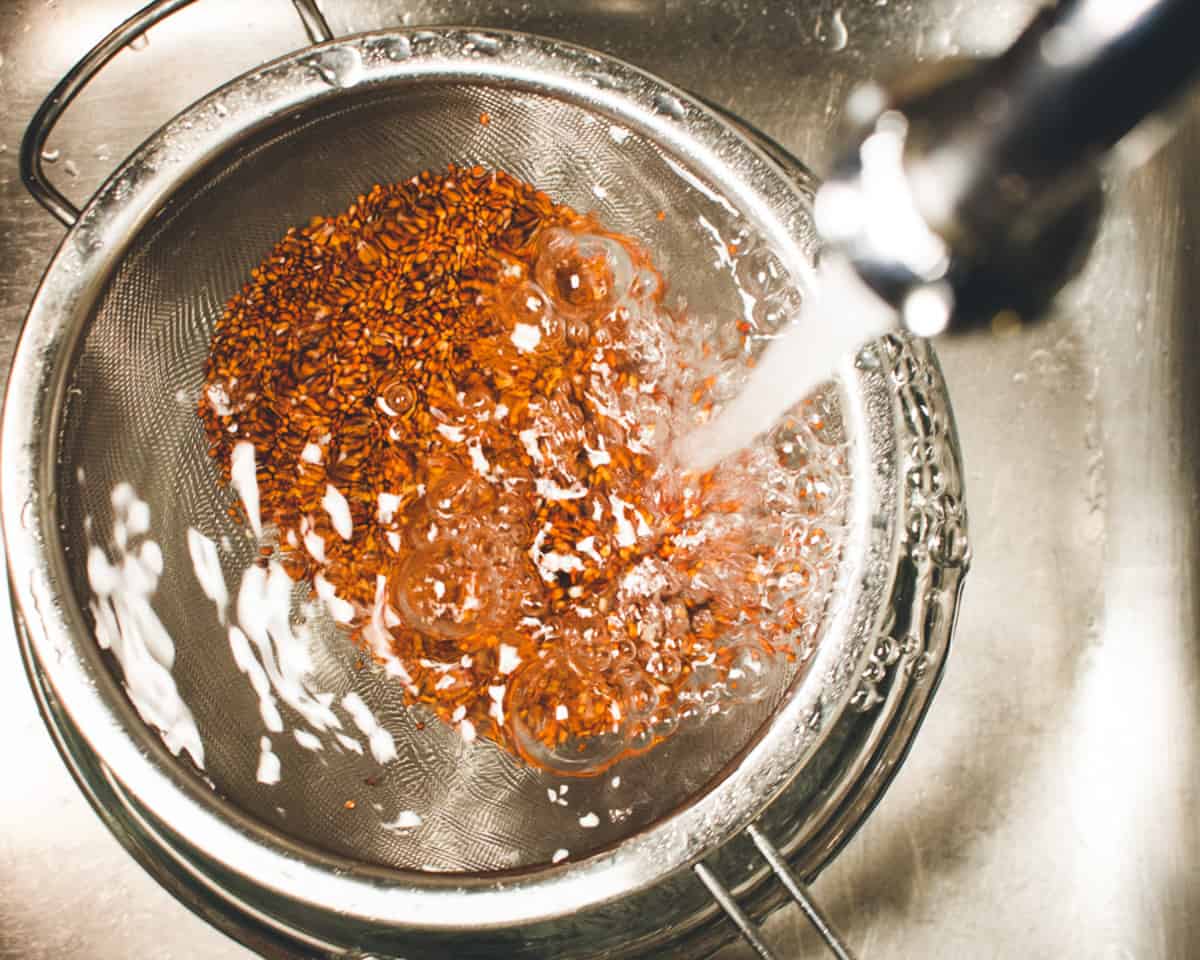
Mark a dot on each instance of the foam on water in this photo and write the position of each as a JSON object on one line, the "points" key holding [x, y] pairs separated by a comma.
{"points": [[269, 768], [122, 593], [206, 561], [339, 511], [383, 746], [839, 317], [405, 820], [244, 477], [269, 646]]}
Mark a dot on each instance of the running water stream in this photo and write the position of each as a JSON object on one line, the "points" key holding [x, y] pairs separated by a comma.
{"points": [[837, 318]]}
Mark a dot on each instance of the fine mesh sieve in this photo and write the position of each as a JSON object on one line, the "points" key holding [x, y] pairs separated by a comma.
{"points": [[447, 836], [131, 418]]}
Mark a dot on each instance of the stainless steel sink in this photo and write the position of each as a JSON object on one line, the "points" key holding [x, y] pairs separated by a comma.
{"points": [[1048, 806]]}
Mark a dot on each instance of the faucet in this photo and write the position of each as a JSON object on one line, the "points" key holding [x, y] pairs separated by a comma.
{"points": [[967, 195]]}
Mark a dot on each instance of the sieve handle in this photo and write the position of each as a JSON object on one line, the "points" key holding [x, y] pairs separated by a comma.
{"points": [[795, 888], [33, 174]]}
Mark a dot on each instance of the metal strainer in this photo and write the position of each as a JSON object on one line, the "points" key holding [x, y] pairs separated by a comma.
{"points": [[447, 849]]}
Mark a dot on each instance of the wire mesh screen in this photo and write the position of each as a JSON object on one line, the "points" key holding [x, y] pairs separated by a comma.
{"points": [[437, 803]]}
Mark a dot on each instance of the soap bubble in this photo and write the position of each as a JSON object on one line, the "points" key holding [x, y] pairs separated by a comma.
{"points": [[584, 274], [512, 515], [566, 721], [438, 591], [528, 305], [514, 586], [588, 647], [455, 490], [749, 671], [397, 398], [818, 489], [479, 400], [639, 692]]}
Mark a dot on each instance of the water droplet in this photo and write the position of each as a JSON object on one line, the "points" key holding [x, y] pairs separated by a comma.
{"points": [[599, 78], [340, 67], [839, 36], [221, 110], [482, 43], [396, 48], [549, 686], [86, 241], [760, 273], [672, 106], [396, 397], [140, 42], [102, 152], [817, 489], [3, 148], [70, 168], [865, 698], [50, 156], [751, 670], [874, 672]]}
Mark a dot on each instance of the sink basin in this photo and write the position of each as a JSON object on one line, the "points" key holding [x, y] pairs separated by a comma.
{"points": [[1047, 807]]}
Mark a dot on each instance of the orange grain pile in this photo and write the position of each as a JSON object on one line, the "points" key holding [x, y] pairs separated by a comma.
{"points": [[482, 375]]}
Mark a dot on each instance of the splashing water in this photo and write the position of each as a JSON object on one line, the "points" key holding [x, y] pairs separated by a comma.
{"points": [[839, 317]]}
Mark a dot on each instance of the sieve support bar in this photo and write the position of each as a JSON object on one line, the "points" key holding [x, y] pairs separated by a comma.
{"points": [[33, 174], [735, 913], [797, 890]]}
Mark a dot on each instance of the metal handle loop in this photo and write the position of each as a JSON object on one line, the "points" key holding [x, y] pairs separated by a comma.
{"points": [[796, 889], [33, 175]]}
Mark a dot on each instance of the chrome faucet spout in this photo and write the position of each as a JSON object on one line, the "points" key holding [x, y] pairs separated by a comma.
{"points": [[971, 191]]}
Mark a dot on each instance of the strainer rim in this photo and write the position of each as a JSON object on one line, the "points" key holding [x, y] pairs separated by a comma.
{"points": [[59, 635]]}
